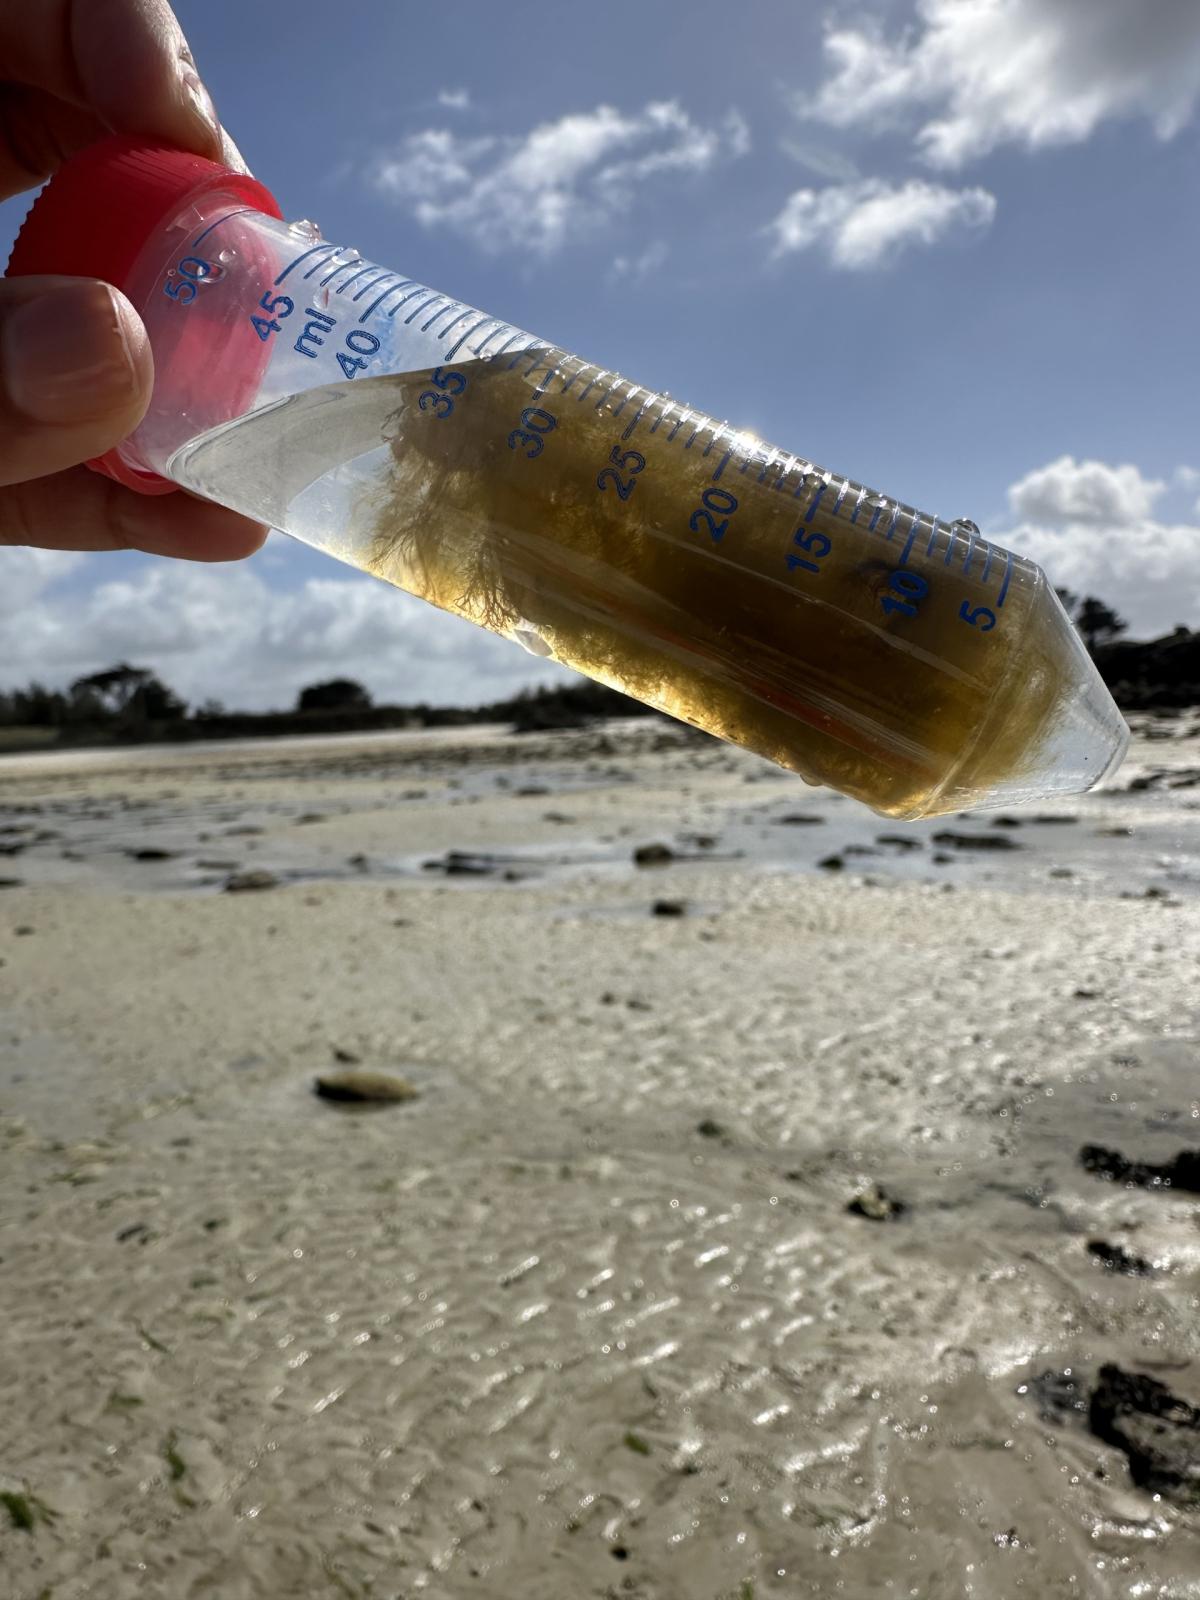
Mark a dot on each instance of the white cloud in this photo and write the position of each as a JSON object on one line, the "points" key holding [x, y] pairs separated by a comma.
{"points": [[1027, 72], [455, 99], [651, 258], [221, 632], [832, 164], [562, 179], [27, 572], [867, 224], [1086, 491], [1091, 527]]}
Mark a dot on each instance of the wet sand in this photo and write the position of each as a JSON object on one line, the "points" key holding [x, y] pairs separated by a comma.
{"points": [[591, 1316]]}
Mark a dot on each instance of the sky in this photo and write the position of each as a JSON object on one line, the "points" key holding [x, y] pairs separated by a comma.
{"points": [[945, 247]]}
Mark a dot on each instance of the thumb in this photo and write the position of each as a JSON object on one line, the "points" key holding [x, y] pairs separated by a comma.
{"points": [[76, 373]]}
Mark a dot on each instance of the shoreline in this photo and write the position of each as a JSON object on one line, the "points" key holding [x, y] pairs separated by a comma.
{"points": [[261, 1345]]}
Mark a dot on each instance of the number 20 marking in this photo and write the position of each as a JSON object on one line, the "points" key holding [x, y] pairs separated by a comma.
{"points": [[720, 501]]}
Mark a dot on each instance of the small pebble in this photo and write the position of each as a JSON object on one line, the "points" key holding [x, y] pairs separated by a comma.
{"points": [[876, 1205], [653, 855], [256, 878], [364, 1086]]}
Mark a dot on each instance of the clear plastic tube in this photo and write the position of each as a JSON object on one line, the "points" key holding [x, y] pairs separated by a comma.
{"points": [[897, 657]]}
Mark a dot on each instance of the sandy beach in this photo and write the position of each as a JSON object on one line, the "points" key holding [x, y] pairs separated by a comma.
{"points": [[594, 1314]]}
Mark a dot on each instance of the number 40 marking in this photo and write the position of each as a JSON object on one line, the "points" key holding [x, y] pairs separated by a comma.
{"points": [[366, 346]]}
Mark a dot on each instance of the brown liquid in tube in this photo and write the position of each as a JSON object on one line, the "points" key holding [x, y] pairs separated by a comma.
{"points": [[723, 582]]}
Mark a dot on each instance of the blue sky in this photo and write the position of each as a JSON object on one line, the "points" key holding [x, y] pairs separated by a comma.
{"points": [[947, 247]]}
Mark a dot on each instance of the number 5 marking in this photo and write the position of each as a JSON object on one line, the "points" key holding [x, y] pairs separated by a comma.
{"points": [[973, 617]]}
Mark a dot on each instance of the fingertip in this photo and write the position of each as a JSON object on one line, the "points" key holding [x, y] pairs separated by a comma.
{"points": [[83, 510], [190, 529], [73, 351]]}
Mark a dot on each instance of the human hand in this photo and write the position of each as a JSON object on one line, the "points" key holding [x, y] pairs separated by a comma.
{"points": [[76, 369]]}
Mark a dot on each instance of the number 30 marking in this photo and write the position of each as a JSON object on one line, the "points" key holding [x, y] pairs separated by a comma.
{"points": [[534, 422]]}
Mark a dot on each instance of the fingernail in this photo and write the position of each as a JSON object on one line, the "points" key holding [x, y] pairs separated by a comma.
{"points": [[197, 95], [71, 355]]}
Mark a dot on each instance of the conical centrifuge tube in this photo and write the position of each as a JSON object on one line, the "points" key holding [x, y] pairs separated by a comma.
{"points": [[899, 658]]}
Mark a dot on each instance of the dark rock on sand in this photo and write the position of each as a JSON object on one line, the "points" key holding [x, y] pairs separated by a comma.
{"points": [[975, 841], [1181, 1172], [1159, 1432], [669, 908], [1059, 1396], [876, 1205], [340, 1053], [708, 1129], [1117, 1259], [832, 864], [799, 819], [380, 1087], [653, 855], [151, 853], [256, 878], [463, 864]]}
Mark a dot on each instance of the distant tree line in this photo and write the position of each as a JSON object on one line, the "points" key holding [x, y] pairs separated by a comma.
{"points": [[120, 695], [130, 704], [1098, 623]]}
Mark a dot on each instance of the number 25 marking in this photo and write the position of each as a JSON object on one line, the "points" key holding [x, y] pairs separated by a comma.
{"points": [[628, 461]]}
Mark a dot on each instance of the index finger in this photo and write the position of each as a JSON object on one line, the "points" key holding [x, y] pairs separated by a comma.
{"points": [[77, 69]]}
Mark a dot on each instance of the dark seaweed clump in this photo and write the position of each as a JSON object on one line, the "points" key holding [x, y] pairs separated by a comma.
{"points": [[1181, 1172], [1157, 1431]]}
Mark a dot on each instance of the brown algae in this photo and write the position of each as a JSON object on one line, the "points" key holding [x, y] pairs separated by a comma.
{"points": [[727, 583]]}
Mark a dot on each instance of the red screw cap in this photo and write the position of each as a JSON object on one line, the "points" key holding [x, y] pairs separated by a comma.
{"points": [[101, 208]]}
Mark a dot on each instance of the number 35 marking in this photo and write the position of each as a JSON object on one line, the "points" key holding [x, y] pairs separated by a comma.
{"points": [[450, 384]]}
